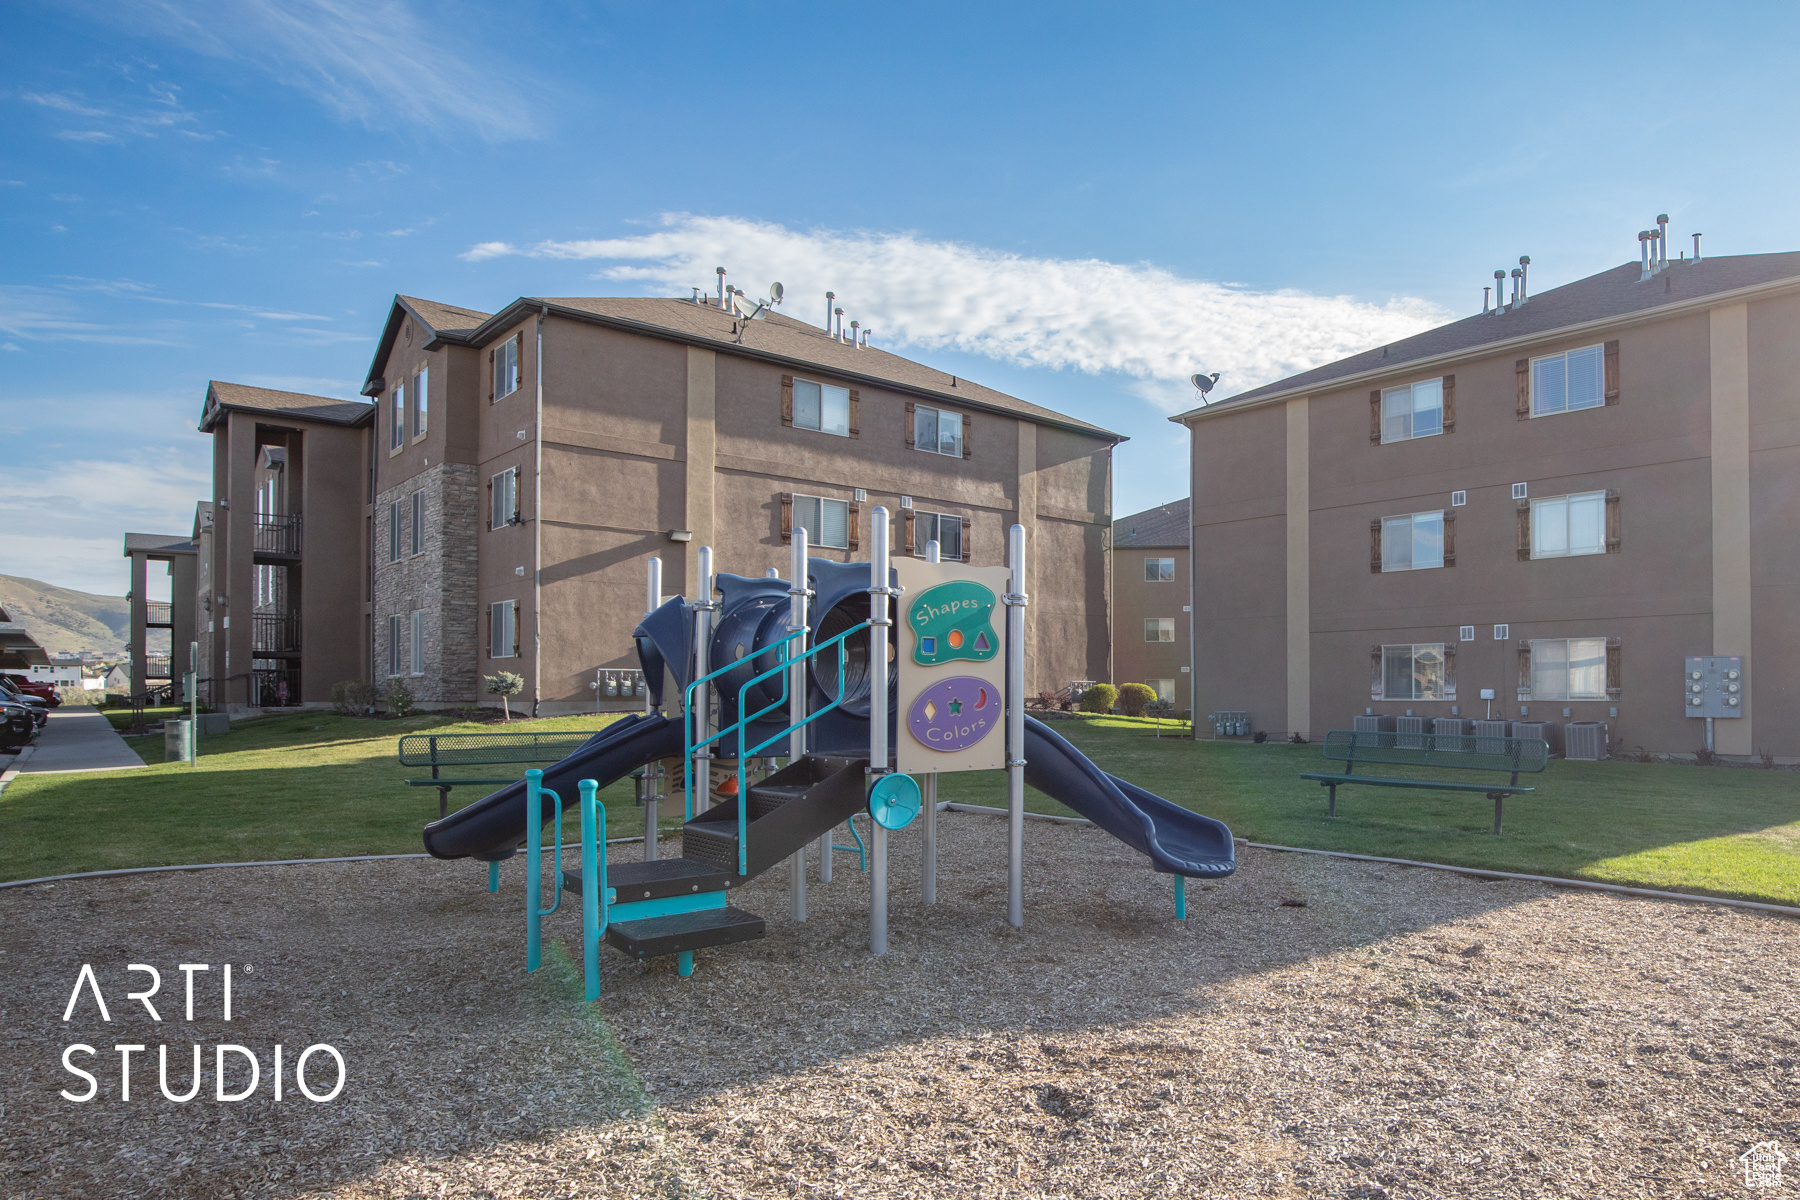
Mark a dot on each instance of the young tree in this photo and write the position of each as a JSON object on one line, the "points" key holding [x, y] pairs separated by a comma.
{"points": [[505, 684]]}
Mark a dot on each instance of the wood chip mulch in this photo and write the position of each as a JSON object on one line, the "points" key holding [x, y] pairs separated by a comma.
{"points": [[1315, 1028]]}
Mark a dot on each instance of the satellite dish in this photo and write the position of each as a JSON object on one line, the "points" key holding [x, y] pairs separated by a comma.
{"points": [[1204, 382], [776, 292]]}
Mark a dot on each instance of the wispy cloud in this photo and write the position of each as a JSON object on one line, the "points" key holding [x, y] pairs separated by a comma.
{"points": [[1088, 315], [158, 112], [40, 315], [376, 63]]}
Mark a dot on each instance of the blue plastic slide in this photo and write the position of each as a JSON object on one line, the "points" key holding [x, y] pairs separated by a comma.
{"points": [[492, 827], [1177, 841]]}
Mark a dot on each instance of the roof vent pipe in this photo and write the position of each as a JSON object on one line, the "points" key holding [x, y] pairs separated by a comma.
{"points": [[721, 271], [1517, 275], [854, 335], [1499, 290], [1524, 277], [1643, 255], [1662, 237], [866, 334], [1696, 247], [839, 335], [829, 297], [1485, 293]]}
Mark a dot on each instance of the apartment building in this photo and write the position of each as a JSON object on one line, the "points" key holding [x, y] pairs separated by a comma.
{"points": [[1150, 601], [1537, 513], [495, 507]]}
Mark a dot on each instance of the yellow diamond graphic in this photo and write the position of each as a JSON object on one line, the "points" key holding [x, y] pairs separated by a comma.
{"points": [[930, 711]]}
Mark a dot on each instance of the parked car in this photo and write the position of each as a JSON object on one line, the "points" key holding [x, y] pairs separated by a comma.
{"points": [[17, 726], [37, 687], [40, 711]]}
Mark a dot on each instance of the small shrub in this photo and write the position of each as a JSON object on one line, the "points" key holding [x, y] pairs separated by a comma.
{"points": [[1046, 700], [1160, 709], [1133, 697], [1099, 699], [1705, 757], [1299, 739], [504, 684], [1768, 759], [354, 698], [1260, 737], [400, 698], [1064, 704]]}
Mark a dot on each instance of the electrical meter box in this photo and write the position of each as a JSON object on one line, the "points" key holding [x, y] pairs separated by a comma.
{"points": [[1714, 686]]}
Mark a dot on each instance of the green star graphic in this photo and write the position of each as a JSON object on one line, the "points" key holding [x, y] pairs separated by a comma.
{"points": [[956, 706]]}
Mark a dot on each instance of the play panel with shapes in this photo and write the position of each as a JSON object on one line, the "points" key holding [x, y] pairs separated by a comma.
{"points": [[953, 622], [953, 714]]}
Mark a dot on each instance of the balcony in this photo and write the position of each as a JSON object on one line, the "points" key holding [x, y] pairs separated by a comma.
{"points": [[157, 615], [274, 635], [274, 687], [277, 538], [156, 666]]}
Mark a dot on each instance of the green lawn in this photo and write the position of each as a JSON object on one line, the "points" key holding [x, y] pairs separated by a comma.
{"points": [[317, 785]]}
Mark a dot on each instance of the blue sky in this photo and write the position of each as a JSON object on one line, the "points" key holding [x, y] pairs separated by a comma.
{"points": [[1077, 204]]}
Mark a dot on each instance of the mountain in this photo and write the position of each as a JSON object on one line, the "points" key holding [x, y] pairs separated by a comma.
{"points": [[64, 619]]}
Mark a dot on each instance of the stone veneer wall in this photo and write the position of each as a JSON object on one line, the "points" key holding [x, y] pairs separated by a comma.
{"points": [[440, 580]]}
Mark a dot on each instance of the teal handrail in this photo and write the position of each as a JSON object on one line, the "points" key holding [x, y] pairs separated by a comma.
{"points": [[535, 791], [596, 897], [785, 661]]}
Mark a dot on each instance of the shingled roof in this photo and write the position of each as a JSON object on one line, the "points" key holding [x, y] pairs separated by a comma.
{"points": [[1156, 528], [771, 337], [1611, 295], [225, 397]]}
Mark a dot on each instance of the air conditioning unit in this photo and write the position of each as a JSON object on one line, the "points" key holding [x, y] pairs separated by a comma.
{"points": [[1587, 741], [1375, 724], [1450, 733], [1411, 731], [1487, 735], [1550, 731]]}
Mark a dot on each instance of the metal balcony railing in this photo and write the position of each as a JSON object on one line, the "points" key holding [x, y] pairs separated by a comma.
{"points": [[156, 612], [278, 534], [275, 687], [274, 633], [156, 666]]}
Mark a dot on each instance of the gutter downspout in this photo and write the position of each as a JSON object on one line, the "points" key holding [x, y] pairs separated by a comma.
{"points": [[537, 529], [1193, 666]]}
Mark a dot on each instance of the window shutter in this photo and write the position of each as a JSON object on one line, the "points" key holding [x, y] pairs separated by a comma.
{"points": [[906, 516], [1449, 539], [1612, 521], [490, 520], [909, 425], [1612, 371], [513, 613], [1522, 379], [1524, 531], [1374, 416], [965, 538], [968, 427], [1449, 403], [1524, 669], [787, 400], [787, 516], [490, 401], [1375, 546], [1613, 688], [855, 538], [1374, 672], [855, 428], [1450, 671], [518, 374]]}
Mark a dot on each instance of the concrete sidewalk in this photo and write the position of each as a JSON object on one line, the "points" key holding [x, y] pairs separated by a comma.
{"points": [[77, 738]]}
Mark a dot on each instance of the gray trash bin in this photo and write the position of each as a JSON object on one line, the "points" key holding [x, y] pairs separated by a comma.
{"points": [[175, 739]]}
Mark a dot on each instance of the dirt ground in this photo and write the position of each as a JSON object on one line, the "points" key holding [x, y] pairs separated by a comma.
{"points": [[1316, 1027]]}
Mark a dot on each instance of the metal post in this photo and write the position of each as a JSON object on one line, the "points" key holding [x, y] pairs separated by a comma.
{"points": [[878, 719], [1709, 733], [700, 799], [192, 685], [928, 854], [796, 684], [1016, 600], [593, 883], [652, 602], [534, 875]]}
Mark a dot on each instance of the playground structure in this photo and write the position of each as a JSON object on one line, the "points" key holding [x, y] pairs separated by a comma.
{"points": [[768, 669]]}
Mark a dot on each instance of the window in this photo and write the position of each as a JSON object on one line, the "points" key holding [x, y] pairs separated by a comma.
{"points": [[1562, 526], [1414, 672], [1159, 629], [1413, 411], [827, 522], [822, 407], [944, 529], [503, 498], [395, 635], [937, 431], [421, 401], [1566, 382], [1568, 669], [418, 522], [418, 642], [1159, 570], [1164, 688], [503, 629], [504, 359], [397, 429], [394, 531], [1413, 542]]}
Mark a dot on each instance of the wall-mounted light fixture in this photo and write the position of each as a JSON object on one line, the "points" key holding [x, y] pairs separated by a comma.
{"points": [[681, 535]]}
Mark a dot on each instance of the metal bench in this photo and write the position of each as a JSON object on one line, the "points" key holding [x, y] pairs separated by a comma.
{"points": [[1462, 751], [439, 750]]}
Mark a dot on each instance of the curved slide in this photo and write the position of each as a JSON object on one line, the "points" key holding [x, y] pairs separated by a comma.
{"points": [[492, 827], [1176, 840]]}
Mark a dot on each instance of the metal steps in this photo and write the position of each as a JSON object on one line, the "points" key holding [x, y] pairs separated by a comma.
{"points": [[634, 881], [796, 805], [684, 932]]}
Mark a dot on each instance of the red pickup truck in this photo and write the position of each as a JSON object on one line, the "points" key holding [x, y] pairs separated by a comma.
{"points": [[35, 687]]}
